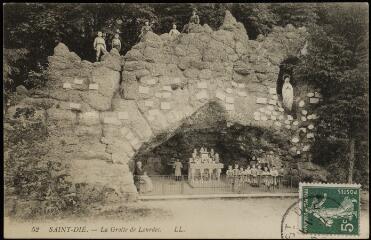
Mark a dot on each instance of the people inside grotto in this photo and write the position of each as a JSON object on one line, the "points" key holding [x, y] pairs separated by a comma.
{"points": [[260, 173], [254, 174], [281, 169], [275, 174], [218, 173], [236, 178], [192, 174], [138, 173], [216, 157], [248, 174], [142, 181], [178, 170], [243, 175], [212, 153], [294, 175], [236, 170], [229, 174], [147, 183], [266, 177]]}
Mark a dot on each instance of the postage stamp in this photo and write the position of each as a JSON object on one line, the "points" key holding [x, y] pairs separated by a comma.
{"points": [[330, 208]]}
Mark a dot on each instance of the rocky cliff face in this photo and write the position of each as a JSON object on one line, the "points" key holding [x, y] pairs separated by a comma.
{"points": [[106, 112]]}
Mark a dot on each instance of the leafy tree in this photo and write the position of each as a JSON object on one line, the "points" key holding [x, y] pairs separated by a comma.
{"points": [[260, 18], [13, 60], [180, 13], [168, 14], [297, 14], [257, 18], [212, 14], [13, 64], [335, 66], [28, 175]]}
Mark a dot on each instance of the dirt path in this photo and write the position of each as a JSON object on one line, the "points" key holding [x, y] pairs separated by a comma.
{"points": [[200, 218], [227, 218], [230, 218]]}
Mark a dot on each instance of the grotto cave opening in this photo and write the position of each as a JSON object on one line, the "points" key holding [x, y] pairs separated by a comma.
{"points": [[209, 128]]}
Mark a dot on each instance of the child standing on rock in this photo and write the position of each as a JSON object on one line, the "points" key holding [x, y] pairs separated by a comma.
{"points": [[100, 45], [116, 42]]}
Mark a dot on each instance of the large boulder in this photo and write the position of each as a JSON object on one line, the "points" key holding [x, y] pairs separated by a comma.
{"points": [[112, 60], [229, 22], [242, 68], [133, 55], [22, 90], [151, 39], [61, 50], [108, 84]]}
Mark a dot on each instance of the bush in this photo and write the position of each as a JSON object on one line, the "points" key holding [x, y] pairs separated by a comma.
{"points": [[38, 184], [37, 79]]}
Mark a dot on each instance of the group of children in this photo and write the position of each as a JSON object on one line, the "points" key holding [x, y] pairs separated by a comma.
{"points": [[100, 41], [100, 44], [255, 176]]}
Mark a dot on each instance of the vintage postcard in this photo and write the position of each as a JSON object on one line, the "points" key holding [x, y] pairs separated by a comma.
{"points": [[186, 120]]}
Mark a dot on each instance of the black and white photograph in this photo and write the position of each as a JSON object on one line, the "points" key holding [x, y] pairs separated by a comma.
{"points": [[186, 120]]}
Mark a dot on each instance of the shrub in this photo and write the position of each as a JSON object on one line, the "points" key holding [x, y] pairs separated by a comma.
{"points": [[37, 183]]}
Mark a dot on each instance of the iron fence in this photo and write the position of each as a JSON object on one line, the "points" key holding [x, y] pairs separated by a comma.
{"points": [[172, 185]]}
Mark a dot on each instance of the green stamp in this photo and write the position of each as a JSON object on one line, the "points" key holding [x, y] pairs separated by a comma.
{"points": [[329, 208]]}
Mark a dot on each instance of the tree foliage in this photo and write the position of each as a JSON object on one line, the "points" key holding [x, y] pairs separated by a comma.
{"points": [[297, 14], [335, 65], [13, 60], [30, 176], [257, 18]]}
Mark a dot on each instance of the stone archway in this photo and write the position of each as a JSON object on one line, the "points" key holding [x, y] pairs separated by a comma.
{"points": [[106, 118], [208, 127]]}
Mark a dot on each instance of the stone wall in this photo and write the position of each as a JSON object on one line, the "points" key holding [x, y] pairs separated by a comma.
{"points": [[104, 112]]}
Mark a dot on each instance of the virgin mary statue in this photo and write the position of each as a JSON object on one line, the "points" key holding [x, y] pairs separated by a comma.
{"points": [[287, 93]]}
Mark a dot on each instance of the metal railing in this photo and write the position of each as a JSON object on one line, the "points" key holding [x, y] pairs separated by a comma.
{"points": [[171, 185]]}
